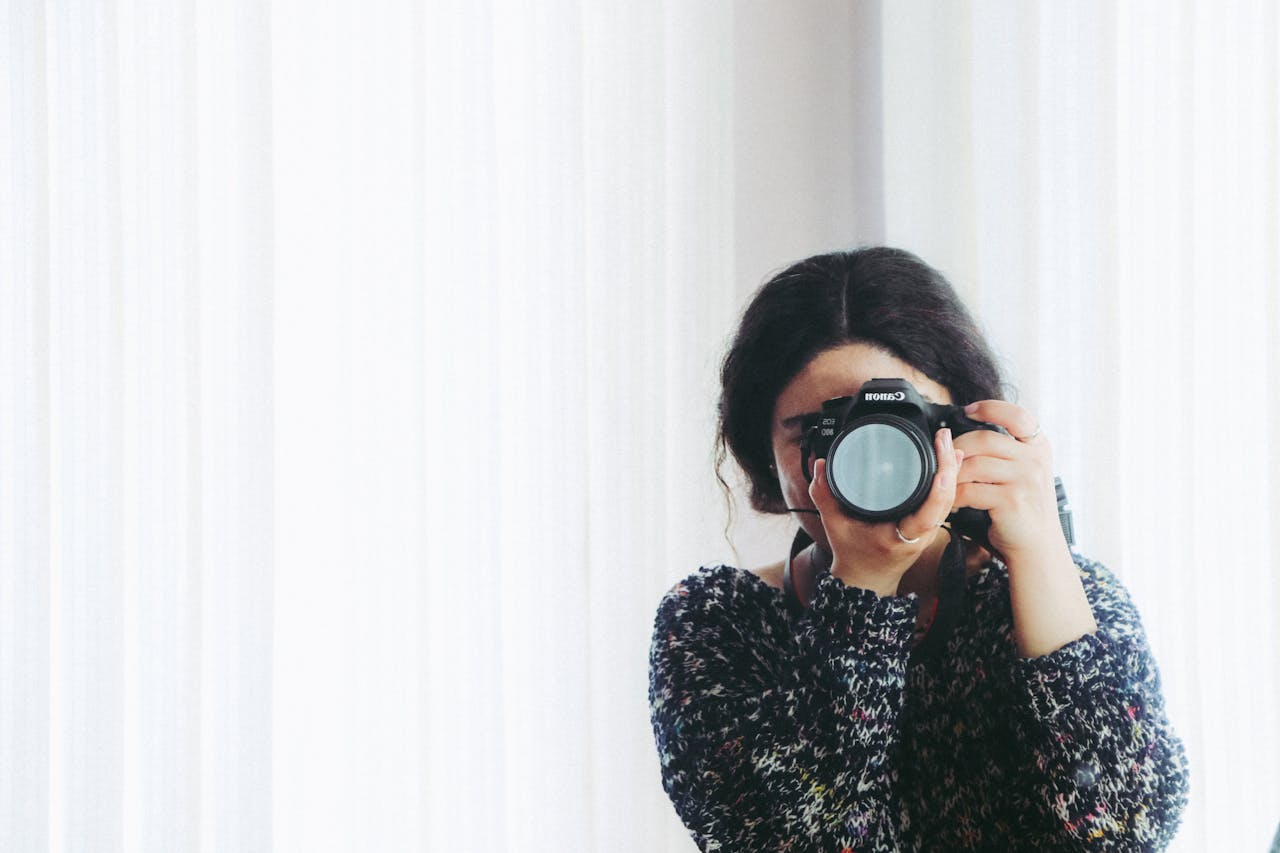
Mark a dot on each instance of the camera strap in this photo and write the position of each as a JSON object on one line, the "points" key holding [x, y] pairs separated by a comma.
{"points": [[821, 563], [951, 589]]}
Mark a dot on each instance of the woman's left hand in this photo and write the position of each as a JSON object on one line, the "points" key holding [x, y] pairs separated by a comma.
{"points": [[1011, 478]]}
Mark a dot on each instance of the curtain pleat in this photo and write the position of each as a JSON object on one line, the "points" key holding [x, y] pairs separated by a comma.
{"points": [[26, 588]]}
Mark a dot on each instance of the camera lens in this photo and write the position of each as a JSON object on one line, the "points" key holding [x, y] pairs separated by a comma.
{"points": [[877, 467]]}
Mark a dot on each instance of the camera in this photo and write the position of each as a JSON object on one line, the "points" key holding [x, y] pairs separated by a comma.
{"points": [[879, 450]]}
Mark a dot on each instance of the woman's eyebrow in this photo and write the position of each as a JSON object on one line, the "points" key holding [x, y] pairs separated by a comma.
{"points": [[797, 420]]}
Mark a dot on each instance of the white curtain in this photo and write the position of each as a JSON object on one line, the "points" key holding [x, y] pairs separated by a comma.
{"points": [[359, 368], [1101, 180]]}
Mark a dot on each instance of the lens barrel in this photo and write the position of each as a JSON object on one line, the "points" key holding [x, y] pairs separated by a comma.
{"points": [[881, 466]]}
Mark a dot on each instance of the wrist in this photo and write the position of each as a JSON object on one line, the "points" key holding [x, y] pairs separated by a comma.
{"points": [[1050, 549], [1050, 608]]}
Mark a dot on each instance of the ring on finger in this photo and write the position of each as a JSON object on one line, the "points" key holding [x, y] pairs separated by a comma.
{"points": [[1029, 437], [898, 530]]}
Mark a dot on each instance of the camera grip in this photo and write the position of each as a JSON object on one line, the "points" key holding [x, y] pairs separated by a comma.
{"points": [[972, 523]]}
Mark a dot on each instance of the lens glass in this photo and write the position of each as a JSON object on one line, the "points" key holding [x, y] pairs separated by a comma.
{"points": [[876, 467]]}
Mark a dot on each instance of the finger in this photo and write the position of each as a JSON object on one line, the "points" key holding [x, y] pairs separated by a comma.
{"points": [[993, 496], [1017, 420], [977, 496], [987, 469], [937, 506], [819, 491], [984, 442]]}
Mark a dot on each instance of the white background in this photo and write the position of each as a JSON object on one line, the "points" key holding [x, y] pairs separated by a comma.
{"points": [[358, 376]]}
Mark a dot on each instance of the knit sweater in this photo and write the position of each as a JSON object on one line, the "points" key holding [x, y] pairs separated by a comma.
{"points": [[818, 730]]}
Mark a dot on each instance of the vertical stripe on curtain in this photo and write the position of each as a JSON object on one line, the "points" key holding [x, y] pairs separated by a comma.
{"points": [[25, 489], [136, 568]]}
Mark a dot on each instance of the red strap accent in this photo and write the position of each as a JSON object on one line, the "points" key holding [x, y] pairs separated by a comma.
{"points": [[932, 615]]}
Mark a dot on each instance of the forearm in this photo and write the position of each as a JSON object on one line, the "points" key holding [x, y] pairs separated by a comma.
{"points": [[1113, 772], [1050, 608]]}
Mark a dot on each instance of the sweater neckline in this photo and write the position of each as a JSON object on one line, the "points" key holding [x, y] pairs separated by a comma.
{"points": [[973, 583]]}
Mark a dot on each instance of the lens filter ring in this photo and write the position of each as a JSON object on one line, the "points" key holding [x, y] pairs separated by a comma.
{"points": [[881, 467]]}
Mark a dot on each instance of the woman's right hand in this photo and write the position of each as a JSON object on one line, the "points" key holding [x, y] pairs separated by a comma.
{"points": [[870, 554]]}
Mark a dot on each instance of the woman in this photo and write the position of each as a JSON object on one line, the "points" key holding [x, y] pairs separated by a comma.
{"points": [[804, 706]]}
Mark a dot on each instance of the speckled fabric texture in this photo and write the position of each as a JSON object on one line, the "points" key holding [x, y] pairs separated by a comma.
{"points": [[820, 731]]}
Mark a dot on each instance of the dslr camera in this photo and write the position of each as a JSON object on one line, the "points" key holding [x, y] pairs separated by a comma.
{"points": [[879, 450]]}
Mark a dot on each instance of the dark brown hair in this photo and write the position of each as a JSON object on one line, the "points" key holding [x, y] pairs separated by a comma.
{"points": [[880, 296]]}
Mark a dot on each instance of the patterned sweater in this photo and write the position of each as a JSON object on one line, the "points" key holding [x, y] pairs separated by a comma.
{"points": [[818, 730]]}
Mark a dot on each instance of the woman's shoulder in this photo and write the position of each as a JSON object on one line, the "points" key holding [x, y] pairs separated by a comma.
{"points": [[719, 585], [771, 574], [719, 597], [719, 626], [1095, 572]]}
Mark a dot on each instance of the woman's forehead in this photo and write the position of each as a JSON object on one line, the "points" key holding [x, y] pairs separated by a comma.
{"points": [[841, 372]]}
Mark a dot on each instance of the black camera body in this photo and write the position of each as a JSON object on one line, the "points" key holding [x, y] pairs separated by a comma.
{"points": [[879, 450]]}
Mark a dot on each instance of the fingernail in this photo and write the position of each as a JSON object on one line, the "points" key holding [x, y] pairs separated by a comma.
{"points": [[946, 440], [971, 408]]}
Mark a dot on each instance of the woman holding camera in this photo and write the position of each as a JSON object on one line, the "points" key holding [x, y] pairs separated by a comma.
{"points": [[852, 697]]}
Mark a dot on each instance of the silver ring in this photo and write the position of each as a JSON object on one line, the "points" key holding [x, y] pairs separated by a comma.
{"points": [[1029, 437], [905, 539]]}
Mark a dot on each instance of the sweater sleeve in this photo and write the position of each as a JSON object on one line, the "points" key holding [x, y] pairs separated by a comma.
{"points": [[757, 758], [1113, 774]]}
